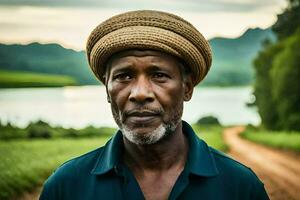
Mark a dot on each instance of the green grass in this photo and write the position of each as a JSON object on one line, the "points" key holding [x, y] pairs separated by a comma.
{"points": [[16, 79], [212, 135], [25, 163], [40, 129], [276, 139]]}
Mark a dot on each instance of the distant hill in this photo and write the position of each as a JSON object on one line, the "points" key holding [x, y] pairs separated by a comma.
{"points": [[231, 59], [19, 79], [46, 58]]}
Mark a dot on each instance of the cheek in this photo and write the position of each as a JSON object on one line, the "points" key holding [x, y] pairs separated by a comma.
{"points": [[118, 95], [171, 100], [170, 96]]}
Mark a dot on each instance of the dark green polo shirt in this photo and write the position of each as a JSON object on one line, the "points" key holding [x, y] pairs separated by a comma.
{"points": [[101, 174]]}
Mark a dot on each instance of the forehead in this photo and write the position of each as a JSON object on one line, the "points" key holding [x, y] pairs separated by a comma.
{"points": [[138, 55]]}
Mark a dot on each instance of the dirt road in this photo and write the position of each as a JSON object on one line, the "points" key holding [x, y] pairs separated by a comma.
{"points": [[279, 171]]}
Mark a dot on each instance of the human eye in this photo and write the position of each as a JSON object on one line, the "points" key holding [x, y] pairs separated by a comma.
{"points": [[160, 76], [122, 77]]}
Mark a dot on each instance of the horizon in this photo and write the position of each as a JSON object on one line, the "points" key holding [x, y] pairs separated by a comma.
{"points": [[69, 23], [78, 50]]}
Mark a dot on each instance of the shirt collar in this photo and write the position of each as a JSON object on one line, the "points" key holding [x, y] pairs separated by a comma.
{"points": [[110, 156], [200, 160]]}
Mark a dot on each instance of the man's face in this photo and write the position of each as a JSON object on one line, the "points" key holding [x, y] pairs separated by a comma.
{"points": [[146, 91]]}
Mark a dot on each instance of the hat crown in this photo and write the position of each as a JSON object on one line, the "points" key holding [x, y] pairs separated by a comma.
{"points": [[150, 18]]}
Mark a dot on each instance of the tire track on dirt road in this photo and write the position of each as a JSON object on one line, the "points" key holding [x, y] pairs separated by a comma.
{"points": [[278, 170]]}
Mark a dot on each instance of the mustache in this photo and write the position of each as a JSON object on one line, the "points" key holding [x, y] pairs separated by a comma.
{"points": [[143, 111]]}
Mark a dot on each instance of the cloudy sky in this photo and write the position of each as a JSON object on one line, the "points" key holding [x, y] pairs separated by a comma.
{"points": [[69, 22]]}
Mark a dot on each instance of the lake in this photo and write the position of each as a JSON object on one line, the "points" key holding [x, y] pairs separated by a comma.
{"points": [[81, 106]]}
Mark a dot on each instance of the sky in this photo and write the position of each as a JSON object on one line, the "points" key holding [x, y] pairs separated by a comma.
{"points": [[69, 22]]}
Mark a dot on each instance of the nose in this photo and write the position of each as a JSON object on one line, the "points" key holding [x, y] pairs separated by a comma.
{"points": [[141, 91]]}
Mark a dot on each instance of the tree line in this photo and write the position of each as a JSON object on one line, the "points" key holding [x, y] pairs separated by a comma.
{"points": [[277, 67]]}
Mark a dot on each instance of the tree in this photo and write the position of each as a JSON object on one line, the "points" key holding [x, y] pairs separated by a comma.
{"points": [[288, 22], [285, 76], [263, 64], [208, 120], [277, 85]]}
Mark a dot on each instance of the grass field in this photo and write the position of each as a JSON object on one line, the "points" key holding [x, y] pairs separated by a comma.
{"points": [[276, 139], [212, 135], [16, 79], [25, 164]]}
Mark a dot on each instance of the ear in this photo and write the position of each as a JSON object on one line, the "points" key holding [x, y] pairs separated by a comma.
{"points": [[108, 98], [188, 88], [105, 78], [107, 94]]}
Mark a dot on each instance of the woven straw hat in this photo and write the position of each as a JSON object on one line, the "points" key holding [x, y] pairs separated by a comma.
{"points": [[149, 30]]}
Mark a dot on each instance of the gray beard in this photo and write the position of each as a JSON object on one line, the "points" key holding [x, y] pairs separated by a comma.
{"points": [[152, 137], [164, 130]]}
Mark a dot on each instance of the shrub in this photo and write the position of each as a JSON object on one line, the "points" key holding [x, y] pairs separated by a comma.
{"points": [[39, 129], [8, 132], [208, 120]]}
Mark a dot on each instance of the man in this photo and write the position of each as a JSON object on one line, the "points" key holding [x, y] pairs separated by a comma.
{"points": [[149, 62]]}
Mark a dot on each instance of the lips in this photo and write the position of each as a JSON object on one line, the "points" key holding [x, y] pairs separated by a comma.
{"points": [[142, 117]]}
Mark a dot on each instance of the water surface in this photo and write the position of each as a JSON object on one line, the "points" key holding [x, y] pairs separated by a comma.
{"points": [[86, 105]]}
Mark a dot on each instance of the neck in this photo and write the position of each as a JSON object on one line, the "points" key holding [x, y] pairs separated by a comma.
{"points": [[163, 155]]}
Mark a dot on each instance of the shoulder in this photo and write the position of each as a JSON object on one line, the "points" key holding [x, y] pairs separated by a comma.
{"points": [[226, 164], [70, 173], [81, 164], [224, 159], [237, 178], [239, 175]]}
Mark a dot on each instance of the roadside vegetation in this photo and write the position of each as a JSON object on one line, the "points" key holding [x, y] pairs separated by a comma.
{"points": [[17, 79], [277, 83], [209, 129], [25, 164], [29, 155], [42, 130], [212, 135], [278, 139]]}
